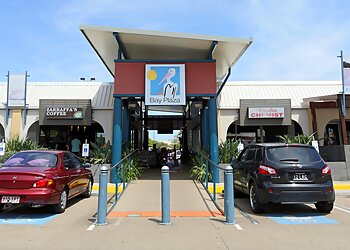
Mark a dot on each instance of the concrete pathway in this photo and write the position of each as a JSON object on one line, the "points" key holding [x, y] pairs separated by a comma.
{"points": [[143, 197]]}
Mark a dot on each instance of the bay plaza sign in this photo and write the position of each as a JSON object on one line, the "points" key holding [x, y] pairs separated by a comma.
{"points": [[165, 84], [266, 112]]}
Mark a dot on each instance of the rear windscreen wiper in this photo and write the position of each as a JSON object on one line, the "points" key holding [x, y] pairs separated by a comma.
{"points": [[290, 159]]}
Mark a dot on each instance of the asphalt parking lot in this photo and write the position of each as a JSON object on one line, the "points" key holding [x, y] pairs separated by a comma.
{"points": [[282, 227]]}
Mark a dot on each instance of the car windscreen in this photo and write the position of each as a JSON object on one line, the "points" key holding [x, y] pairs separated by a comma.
{"points": [[32, 159], [293, 154]]}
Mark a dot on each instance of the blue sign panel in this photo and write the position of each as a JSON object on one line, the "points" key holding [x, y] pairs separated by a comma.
{"points": [[26, 219], [303, 218], [165, 84]]}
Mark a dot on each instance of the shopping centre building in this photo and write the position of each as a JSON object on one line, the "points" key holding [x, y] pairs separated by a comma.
{"points": [[186, 75], [289, 102]]}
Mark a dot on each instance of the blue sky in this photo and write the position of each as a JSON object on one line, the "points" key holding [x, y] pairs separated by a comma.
{"points": [[293, 39]]}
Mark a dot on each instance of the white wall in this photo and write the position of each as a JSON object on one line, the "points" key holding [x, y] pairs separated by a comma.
{"points": [[105, 119], [32, 117], [301, 117], [225, 118]]}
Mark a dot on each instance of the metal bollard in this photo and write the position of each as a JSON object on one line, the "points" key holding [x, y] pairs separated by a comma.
{"points": [[102, 197], [229, 196], [165, 196]]}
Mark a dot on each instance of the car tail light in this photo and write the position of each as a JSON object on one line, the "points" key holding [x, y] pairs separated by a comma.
{"points": [[43, 183], [326, 170], [264, 170]]}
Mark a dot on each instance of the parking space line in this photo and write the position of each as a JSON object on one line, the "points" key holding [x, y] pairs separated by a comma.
{"points": [[117, 223], [342, 209], [91, 227], [247, 216], [238, 227]]}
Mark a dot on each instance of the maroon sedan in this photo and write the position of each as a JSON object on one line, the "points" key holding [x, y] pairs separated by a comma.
{"points": [[44, 178]]}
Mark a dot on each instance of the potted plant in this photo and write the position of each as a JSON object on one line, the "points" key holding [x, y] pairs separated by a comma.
{"points": [[129, 169], [198, 171], [100, 154]]}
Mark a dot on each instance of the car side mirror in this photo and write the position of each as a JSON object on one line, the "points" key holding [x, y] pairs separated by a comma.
{"points": [[234, 162], [87, 165]]}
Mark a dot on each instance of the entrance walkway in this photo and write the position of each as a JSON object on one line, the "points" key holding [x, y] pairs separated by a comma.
{"points": [[142, 198]]}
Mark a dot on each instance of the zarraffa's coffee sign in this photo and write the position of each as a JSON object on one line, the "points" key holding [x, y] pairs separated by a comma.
{"points": [[64, 113], [165, 84]]}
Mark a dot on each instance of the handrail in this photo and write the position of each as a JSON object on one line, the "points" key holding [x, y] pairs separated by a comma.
{"points": [[228, 186], [119, 162], [103, 183], [213, 163]]}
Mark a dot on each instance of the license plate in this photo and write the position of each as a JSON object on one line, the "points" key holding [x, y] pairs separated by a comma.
{"points": [[10, 199], [300, 177]]}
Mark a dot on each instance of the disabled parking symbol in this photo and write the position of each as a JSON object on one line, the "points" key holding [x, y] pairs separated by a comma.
{"points": [[28, 219], [301, 219]]}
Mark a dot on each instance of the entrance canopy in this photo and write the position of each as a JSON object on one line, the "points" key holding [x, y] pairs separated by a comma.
{"points": [[155, 45]]}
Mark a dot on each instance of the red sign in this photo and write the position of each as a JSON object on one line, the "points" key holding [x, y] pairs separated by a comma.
{"points": [[266, 112]]}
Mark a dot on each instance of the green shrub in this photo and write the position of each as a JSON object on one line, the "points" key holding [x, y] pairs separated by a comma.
{"points": [[101, 153], [198, 171], [130, 166], [15, 144], [302, 139], [227, 150]]}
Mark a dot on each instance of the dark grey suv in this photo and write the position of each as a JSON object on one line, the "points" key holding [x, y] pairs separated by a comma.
{"points": [[283, 173]]}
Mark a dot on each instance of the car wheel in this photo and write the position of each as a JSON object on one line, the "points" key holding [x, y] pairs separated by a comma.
{"points": [[324, 207], [88, 190], [61, 206], [254, 202]]}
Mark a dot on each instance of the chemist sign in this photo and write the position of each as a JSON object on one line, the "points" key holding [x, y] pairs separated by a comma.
{"points": [[165, 84], [266, 112]]}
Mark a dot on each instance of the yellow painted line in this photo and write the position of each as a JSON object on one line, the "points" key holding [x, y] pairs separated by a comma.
{"points": [[110, 188], [219, 189], [341, 186]]}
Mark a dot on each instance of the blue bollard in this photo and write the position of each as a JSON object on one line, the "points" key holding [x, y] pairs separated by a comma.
{"points": [[165, 196], [102, 197], [229, 196]]}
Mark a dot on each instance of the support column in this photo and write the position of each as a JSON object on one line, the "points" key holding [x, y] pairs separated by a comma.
{"points": [[125, 124], [204, 126], [213, 133], [145, 136], [342, 122], [117, 137]]}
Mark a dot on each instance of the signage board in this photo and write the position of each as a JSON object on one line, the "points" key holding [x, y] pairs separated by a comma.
{"points": [[165, 84], [64, 113], [265, 112], [315, 145], [346, 72], [2, 148], [85, 151], [16, 90]]}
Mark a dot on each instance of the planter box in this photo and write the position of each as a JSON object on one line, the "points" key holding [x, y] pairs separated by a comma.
{"points": [[221, 172], [95, 169]]}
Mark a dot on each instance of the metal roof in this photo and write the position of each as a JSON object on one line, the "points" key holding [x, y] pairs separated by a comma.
{"points": [[155, 45], [100, 93], [297, 91]]}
